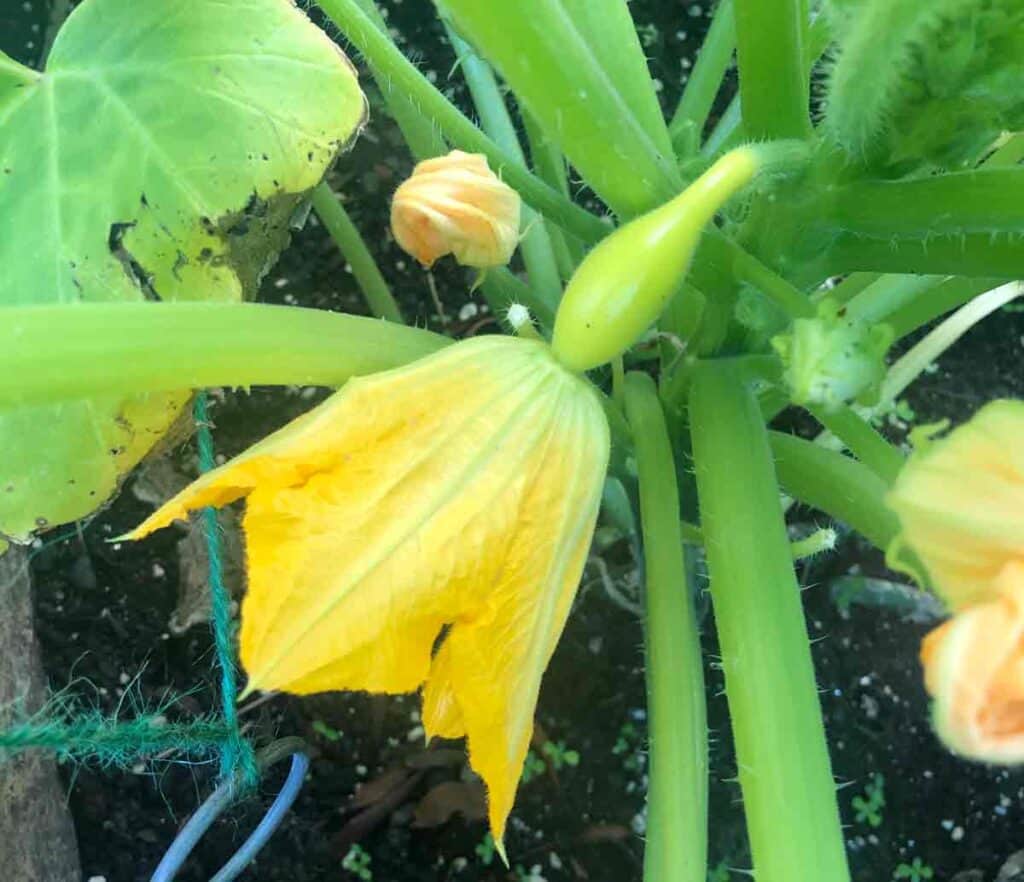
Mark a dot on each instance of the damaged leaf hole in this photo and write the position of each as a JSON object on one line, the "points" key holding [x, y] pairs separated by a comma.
{"points": [[133, 269]]}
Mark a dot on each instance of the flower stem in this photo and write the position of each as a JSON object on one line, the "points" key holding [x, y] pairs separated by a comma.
{"points": [[50, 353], [345, 234], [677, 798], [784, 769], [404, 77]]}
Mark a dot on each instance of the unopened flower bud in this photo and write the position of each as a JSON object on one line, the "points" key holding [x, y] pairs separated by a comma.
{"points": [[974, 669], [832, 359], [456, 205]]}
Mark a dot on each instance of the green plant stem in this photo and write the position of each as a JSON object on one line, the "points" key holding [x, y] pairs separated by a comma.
{"points": [[784, 769], [572, 72], [990, 200], [941, 299], [549, 165], [771, 50], [862, 440], [50, 353], [538, 253], [889, 293], [847, 289], [747, 268], [677, 795], [419, 132], [928, 350], [346, 236], [976, 254], [728, 131], [687, 125], [836, 484], [404, 77]]}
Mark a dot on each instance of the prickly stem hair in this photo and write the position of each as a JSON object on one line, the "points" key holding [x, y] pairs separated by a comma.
{"points": [[915, 82]]}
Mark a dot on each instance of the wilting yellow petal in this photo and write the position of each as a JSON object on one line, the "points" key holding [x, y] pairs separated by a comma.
{"points": [[459, 491], [960, 502], [974, 668], [456, 205]]}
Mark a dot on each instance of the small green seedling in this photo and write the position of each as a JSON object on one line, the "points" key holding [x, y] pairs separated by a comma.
{"points": [[560, 756], [533, 766], [357, 862], [326, 732], [918, 871], [485, 850], [629, 745], [869, 807]]}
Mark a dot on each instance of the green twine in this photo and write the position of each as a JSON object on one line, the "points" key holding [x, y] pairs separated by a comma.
{"points": [[91, 735], [236, 753]]}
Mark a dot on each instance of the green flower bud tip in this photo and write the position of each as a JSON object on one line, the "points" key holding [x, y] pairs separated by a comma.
{"points": [[831, 359], [622, 286]]}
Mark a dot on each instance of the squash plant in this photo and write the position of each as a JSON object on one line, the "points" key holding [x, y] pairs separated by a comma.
{"points": [[863, 182]]}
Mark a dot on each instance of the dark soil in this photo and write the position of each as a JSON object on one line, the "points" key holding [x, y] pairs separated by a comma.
{"points": [[103, 612]]}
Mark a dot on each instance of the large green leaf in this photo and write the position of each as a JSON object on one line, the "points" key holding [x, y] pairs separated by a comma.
{"points": [[161, 155]]}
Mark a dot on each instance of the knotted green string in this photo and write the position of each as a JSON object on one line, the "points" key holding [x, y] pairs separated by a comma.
{"points": [[90, 736]]}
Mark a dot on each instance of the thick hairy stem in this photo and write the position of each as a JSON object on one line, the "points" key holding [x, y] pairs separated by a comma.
{"points": [[52, 353], [771, 40], [784, 769]]}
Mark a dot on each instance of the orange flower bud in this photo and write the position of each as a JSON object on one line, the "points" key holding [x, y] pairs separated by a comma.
{"points": [[456, 205], [974, 668]]}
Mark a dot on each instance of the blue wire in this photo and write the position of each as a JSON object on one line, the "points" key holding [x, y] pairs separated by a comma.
{"points": [[210, 810], [271, 821]]}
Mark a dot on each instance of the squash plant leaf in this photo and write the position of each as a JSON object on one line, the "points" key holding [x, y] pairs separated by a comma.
{"points": [[161, 155]]}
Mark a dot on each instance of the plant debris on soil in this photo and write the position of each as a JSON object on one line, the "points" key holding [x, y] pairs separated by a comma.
{"points": [[378, 802]]}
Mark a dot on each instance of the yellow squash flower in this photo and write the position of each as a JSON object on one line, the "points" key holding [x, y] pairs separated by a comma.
{"points": [[456, 205], [960, 503], [453, 498]]}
